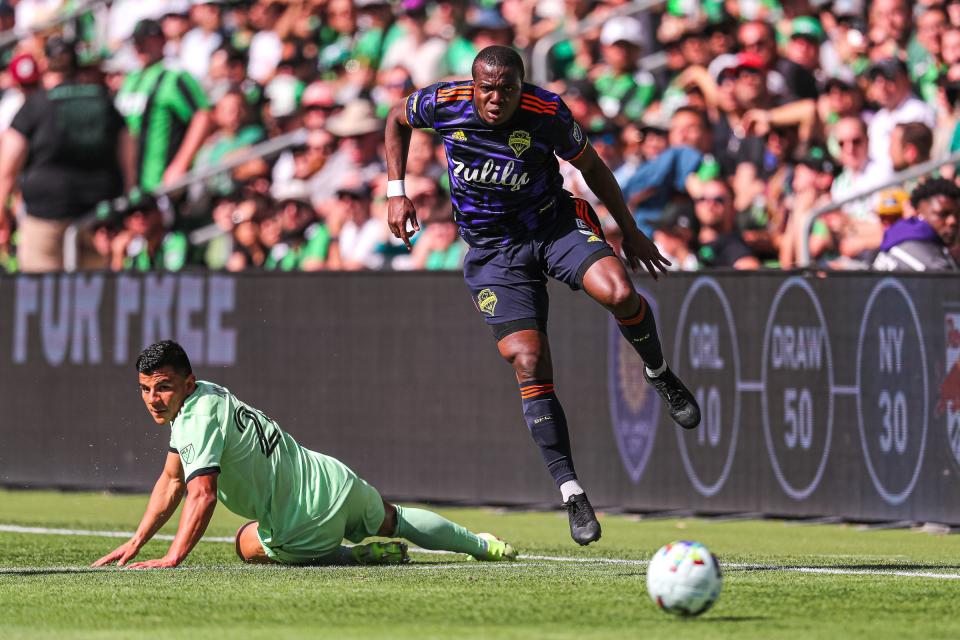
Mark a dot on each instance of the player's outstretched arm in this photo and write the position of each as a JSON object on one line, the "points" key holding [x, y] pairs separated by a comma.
{"points": [[401, 214], [637, 247], [164, 500], [197, 511]]}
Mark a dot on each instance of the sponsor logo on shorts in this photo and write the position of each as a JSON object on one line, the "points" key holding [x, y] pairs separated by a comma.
{"points": [[949, 404], [487, 301], [519, 141], [577, 133], [585, 229], [594, 239], [187, 454], [459, 136]]}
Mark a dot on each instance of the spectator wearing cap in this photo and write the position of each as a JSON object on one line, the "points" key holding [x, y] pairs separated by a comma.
{"points": [[25, 75], [361, 136], [801, 60], [809, 189], [145, 243], [675, 235], [64, 145], [719, 243], [166, 111], [625, 91], [890, 88], [922, 243], [355, 235], [319, 102], [414, 42], [200, 42]]}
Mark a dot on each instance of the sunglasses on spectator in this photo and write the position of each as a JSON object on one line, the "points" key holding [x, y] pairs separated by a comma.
{"points": [[713, 199], [321, 107], [856, 142], [755, 46]]}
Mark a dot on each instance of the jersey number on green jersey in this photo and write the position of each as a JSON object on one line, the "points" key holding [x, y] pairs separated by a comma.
{"points": [[268, 434]]}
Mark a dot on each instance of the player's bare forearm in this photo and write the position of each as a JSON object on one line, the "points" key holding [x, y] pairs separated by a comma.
{"points": [[397, 142], [197, 511], [600, 179], [197, 132], [164, 500], [401, 214], [637, 248]]}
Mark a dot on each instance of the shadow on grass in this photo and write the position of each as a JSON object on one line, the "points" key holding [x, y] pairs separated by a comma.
{"points": [[49, 571]]}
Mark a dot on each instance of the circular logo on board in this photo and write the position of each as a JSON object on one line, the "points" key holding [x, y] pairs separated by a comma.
{"points": [[634, 405]]}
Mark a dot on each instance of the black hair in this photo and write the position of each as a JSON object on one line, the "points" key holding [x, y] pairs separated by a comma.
{"points": [[932, 188], [165, 353], [499, 57]]}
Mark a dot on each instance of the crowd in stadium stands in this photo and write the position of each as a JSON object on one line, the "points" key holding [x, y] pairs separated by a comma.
{"points": [[726, 124]]}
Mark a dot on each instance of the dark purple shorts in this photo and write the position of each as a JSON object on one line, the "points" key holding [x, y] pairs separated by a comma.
{"points": [[509, 283]]}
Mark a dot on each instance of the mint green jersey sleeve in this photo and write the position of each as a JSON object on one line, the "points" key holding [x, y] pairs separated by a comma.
{"points": [[198, 436]]}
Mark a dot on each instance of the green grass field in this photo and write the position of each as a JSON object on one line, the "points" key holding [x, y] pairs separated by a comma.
{"points": [[866, 584]]}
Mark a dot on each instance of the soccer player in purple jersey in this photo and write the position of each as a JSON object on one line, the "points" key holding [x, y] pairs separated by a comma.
{"points": [[502, 139]]}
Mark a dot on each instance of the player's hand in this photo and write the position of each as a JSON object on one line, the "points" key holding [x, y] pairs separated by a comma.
{"points": [[121, 555], [400, 210], [638, 249], [161, 563]]}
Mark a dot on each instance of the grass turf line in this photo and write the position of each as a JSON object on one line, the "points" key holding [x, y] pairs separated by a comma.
{"points": [[443, 596]]}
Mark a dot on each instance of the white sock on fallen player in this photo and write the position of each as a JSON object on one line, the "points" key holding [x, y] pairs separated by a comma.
{"points": [[570, 488], [653, 373]]}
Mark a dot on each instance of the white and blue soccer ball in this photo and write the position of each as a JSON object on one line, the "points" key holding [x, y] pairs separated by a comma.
{"points": [[684, 578]]}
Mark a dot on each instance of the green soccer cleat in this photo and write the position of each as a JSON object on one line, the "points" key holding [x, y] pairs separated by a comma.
{"points": [[497, 549], [392, 552]]}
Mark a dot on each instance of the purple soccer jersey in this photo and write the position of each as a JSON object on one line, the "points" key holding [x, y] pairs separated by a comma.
{"points": [[505, 181]]}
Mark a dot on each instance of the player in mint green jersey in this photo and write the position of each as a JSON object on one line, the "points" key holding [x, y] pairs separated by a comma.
{"points": [[301, 503]]}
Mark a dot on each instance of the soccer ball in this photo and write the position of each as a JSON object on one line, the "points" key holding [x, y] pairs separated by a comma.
{"points": [[684, 578]]}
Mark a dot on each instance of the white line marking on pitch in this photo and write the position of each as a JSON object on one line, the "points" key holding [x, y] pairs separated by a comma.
{"points": [[12, 528]]}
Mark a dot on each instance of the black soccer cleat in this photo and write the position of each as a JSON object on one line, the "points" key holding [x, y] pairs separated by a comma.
{"points": [[584, 527], [683, 406]]}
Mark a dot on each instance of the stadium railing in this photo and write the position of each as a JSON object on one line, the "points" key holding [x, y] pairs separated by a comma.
{"points": [[540, 57], [897, 179], [267, 148]]}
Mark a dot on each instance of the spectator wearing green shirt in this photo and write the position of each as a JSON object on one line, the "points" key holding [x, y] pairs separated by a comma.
{"points": [[297, 241], [166, 111], [145, 243], [624, 90], [233, 134]]}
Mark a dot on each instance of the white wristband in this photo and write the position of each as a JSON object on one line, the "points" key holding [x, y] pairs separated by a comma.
{"points": [[395, 188]]}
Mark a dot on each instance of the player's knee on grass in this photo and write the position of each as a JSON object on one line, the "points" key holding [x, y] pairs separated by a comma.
{"points": [[248, 545]]}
